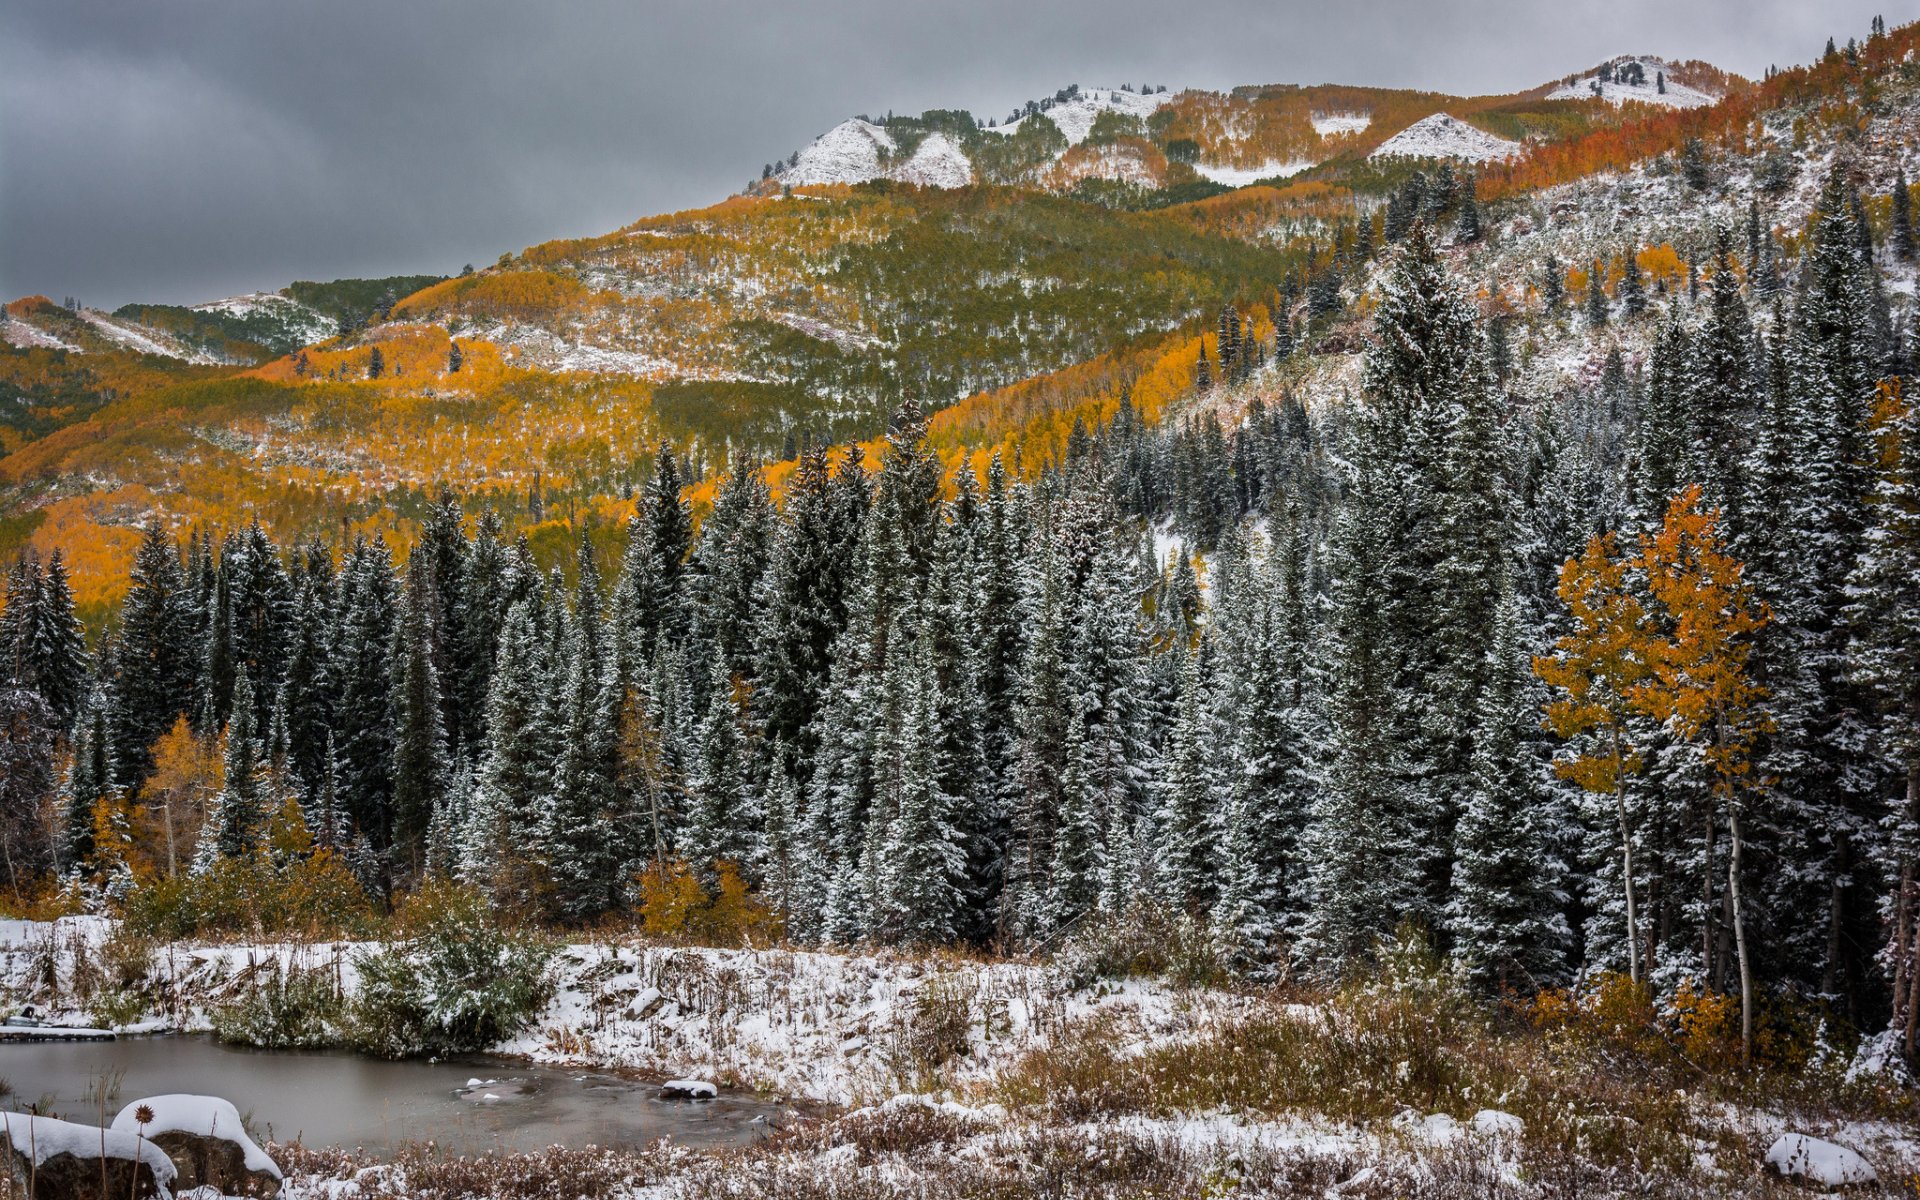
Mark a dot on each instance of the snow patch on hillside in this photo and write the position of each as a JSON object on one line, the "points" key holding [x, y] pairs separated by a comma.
{"points": [[309, 325], [1242, 176], [1647, 91], [1329, 124], [850, 152], [1075, 117], [938, 162], [28, 336], [1443, 135], [138, 338]]}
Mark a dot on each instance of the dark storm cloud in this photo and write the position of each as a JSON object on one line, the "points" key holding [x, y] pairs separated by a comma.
{"points": [[185, 149]]}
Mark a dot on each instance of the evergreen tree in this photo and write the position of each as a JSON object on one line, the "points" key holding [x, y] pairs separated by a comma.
{"points": [[155, 684], [1504, 918], [236, 824]]}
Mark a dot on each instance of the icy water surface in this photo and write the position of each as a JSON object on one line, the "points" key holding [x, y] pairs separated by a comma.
{"points": [[325, 1098]]}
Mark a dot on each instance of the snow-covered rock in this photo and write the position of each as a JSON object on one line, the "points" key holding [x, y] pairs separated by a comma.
{"points": [[1444, 135], [206, 1140], [1492, 1123], [1798, 1156], [67, 1159], [1647, 91], [688, 1089]]}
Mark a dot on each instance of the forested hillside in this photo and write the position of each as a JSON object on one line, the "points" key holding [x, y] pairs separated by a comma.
{"points": [[1529, 559]]}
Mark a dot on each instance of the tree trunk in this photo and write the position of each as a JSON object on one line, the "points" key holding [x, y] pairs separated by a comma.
{"points": [[1739, 930], [1907, 950], [1626, 861]]}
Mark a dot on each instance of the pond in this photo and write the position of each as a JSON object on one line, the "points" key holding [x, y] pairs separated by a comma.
{"points": [[323, 1098]]}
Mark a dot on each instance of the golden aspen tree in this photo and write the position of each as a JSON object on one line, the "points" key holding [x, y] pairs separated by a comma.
{"points": [[1699, 684], [1598, 667]]}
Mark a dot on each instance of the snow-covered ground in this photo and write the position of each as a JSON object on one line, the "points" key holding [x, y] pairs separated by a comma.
{"points": [[1075, 117], [1329, 124], [1676, 95], [836, 1028], [1242, 176], [1444, 135], [308, 324], [937, 162], [850, 152]]}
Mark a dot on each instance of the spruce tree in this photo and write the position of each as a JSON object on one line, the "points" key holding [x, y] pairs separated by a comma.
{"points": [[1504, 918], [236, 823]]}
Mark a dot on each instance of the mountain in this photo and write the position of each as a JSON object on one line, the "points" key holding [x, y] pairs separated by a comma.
{"points": [[1092, 238]]}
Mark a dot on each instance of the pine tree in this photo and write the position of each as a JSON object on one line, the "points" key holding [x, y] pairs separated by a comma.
{"points": [[1504, 918], [922, 883], [421, 765], [91, 780], [1186, 850], [1633, 293], [1597, 296], [1884, 655], [515, 773], [1900, 228], [237, 819]]}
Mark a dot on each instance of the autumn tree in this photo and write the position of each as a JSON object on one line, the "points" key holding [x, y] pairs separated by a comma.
{"points": [[1598, 668], [1699, 684]]}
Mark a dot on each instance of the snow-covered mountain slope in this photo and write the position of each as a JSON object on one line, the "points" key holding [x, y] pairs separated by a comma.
{"points": [[850, 152], [140, 339], [937, 162], [1242, 176], [858, 151], [1332, 124], [1443, 135], [301, 322], [1075, 117], [1640, 78]]}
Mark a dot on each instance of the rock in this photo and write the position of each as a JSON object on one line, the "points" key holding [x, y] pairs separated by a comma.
{"points": [[1492, 1123], [1797, 1156], [60, 1160], [206, 1141], [688, 1089]]}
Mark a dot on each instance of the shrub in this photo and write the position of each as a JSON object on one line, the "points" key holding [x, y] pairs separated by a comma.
{"points": [[675, 905], [461, 983], [292, 1009], [314, 897], [1147, 940]]}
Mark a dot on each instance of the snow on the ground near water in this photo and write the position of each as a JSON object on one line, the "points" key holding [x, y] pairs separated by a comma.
{"points": [[1677, 95], [937, 162], [1444, 135], [813, 1024], [850, 152], [1329, 124], [207, 1116], [29, 336], [1242, 176], [43, 1138], [1075, 117], [832, 1027]]}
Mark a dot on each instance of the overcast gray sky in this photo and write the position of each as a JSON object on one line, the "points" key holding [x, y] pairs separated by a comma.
{"points": [[181, 150]]}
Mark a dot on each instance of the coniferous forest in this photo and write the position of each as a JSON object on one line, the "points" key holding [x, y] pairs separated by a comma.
{"points": [[1623, 682]]}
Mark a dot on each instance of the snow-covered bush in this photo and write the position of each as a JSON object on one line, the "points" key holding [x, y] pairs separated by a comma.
{"points": [[462, 983], [295, 1008], [1146, 940]]}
